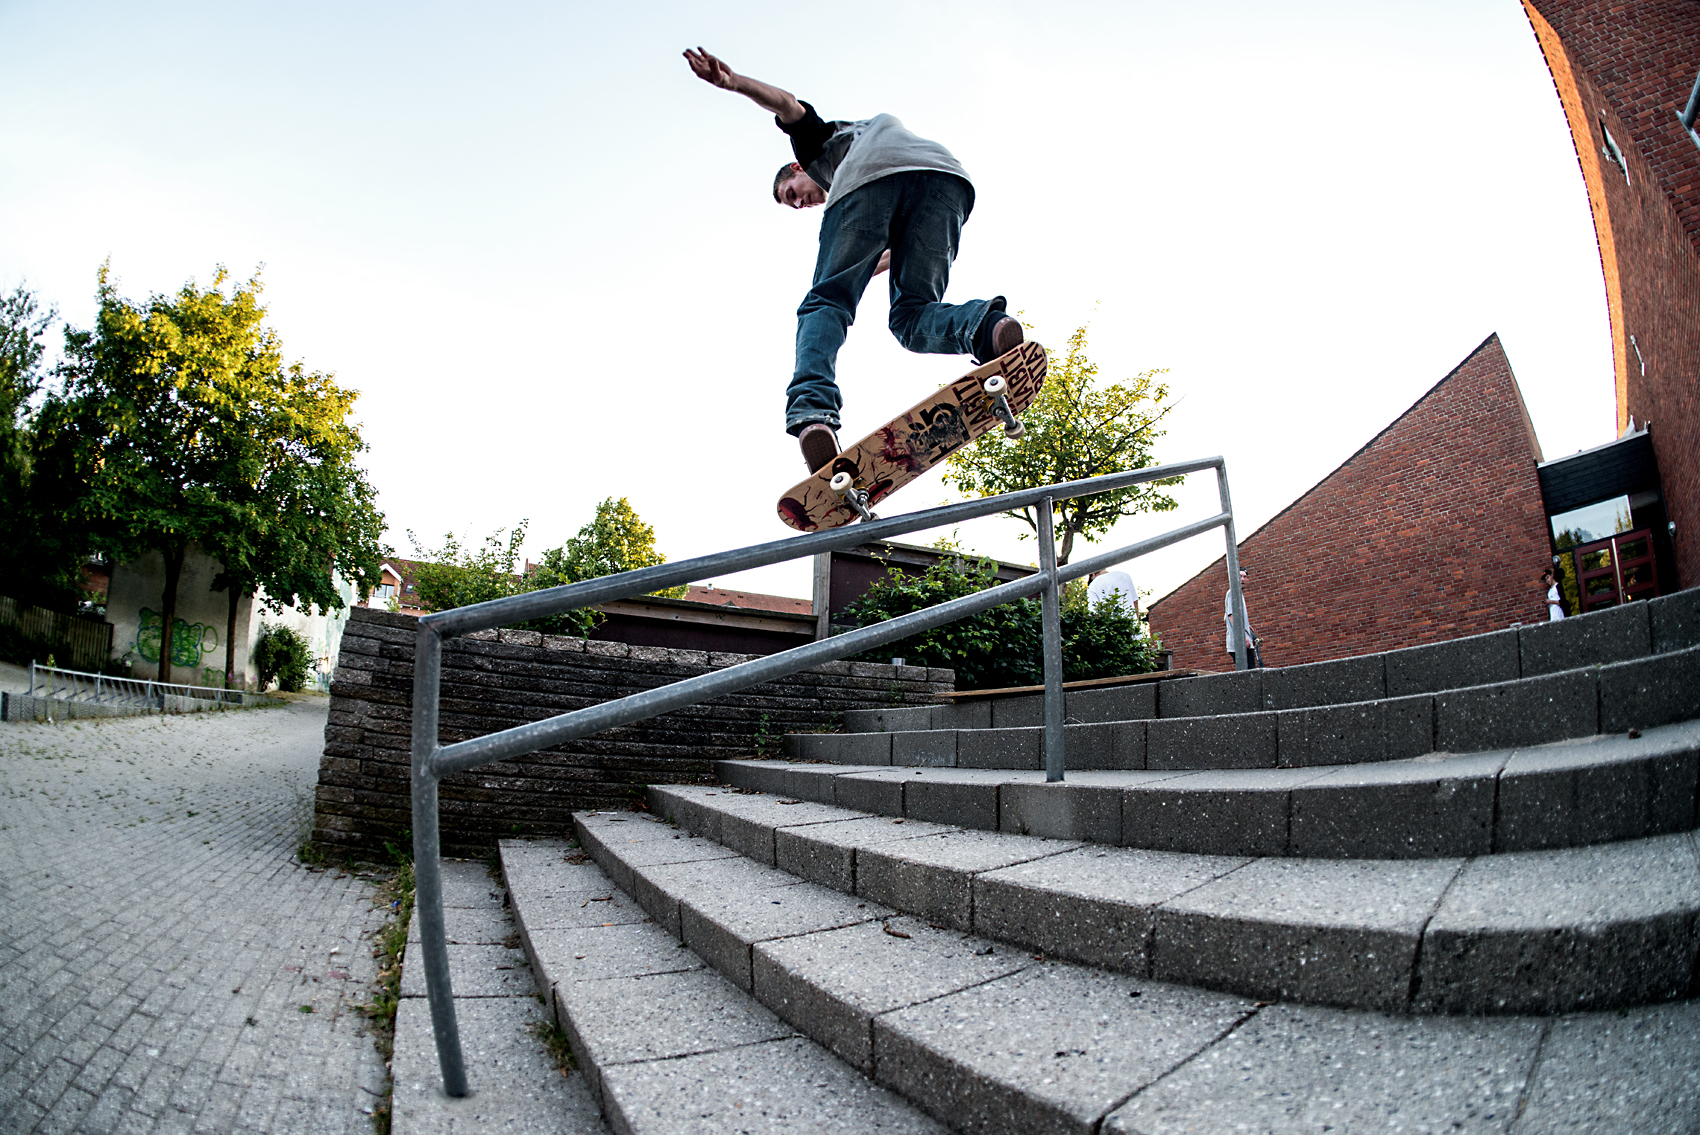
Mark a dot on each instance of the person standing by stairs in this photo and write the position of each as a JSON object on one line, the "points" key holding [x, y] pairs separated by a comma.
{"points": [[1253, 651]]}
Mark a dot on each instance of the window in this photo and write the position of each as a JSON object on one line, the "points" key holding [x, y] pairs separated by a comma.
{"points": [[386, 591]]}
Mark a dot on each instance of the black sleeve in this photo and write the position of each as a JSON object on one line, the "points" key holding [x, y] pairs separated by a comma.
{"points": [[809, 135]]}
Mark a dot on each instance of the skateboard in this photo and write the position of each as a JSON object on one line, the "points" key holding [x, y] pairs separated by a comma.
{"points": [[863, 474]]}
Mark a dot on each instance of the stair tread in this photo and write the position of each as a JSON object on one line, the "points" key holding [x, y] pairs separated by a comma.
{"points": [[1005, 1042], [1561, 794], [667, 1043], [1352, 932]]}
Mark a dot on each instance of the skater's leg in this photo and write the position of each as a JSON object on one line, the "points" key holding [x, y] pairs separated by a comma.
{"points": [[926, 231], [853, 234]]}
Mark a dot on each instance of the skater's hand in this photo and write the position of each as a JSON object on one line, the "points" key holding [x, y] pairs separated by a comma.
{"points": [[711, 70], [770, 98], [885, 262]]}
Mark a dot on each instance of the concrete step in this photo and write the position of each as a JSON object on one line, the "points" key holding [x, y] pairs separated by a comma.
{"points": [[516, 1083], [1590, 701], [667, 1044], [1548, 931], [1665, 625], [1569, 794], [997, 1041]]}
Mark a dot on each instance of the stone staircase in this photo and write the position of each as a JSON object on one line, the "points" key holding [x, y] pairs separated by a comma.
{"points": [[1453, 888]]}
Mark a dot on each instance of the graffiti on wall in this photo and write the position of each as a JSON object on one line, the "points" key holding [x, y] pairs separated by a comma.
{"points": [[189, 641]]}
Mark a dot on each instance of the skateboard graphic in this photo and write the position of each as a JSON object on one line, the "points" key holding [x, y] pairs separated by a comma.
{"points": [[863, 474]]}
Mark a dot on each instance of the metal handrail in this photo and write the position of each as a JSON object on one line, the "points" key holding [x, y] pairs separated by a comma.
{"points": [[104, 689], [432, 760]]}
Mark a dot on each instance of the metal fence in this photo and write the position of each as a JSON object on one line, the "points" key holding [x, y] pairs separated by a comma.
{"points": [[101, 689], [81, 642], [432, 760]]}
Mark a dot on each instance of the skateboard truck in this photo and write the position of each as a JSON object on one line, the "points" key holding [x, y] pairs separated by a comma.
{"points": [[853, 498], [997, 389]]}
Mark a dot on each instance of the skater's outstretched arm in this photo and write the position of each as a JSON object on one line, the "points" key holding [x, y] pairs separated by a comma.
{"points": [[710, 69]]}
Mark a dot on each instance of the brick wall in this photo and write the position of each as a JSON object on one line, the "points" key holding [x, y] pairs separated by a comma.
{"points": [[1433, 530], [1630, 66], [494, 680]]}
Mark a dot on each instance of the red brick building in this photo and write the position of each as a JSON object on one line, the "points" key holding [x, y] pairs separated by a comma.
{"points": [[1624, 72], [1433, 530]]}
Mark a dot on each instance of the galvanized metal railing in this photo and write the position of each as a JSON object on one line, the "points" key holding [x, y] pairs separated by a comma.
{"points": [[61, 684], [432, 760]]}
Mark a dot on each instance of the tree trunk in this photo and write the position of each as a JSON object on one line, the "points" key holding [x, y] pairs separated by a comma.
{"points": [[230, 636], [1067, 548], [173, 554]]}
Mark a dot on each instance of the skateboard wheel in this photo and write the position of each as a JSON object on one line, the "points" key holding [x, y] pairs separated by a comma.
{"points": [[995, 386], [841, 483], [1015, 432]]}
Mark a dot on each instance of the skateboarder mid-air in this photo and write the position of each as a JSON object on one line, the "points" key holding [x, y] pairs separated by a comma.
{"points": [[892, 200]]}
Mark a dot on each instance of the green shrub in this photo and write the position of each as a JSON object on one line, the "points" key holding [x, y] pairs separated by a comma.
{"points": [[1005, 645], [283, 654]]}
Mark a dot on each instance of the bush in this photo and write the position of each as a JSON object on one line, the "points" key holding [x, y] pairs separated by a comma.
{"points": [[282, 654], [1005, 645]]}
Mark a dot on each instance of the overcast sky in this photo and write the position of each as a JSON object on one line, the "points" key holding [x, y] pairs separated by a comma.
{"points": [[545, 253]]}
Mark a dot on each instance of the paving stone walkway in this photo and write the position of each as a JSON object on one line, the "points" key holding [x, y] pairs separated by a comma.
{"points": [[166, 964]]}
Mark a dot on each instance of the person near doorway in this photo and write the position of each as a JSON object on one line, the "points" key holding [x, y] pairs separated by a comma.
{"points": [[1253, 649], [1555, 604]]}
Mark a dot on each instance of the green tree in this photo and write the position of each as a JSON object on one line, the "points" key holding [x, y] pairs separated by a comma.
{"points": [[40, 560], [1074, 429], [457, 575], [162, 426], [1003, 646], [616, 540], [300, 511]]}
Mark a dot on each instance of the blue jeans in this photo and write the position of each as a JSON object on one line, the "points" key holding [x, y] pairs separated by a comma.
{"points": [[918, 215]]}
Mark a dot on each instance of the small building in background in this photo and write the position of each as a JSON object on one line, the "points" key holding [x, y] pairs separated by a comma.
{"points": [[1435, 529], [134, 605]]}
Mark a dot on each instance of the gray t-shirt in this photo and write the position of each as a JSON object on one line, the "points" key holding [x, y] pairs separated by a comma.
{"points": [[841, 157]]}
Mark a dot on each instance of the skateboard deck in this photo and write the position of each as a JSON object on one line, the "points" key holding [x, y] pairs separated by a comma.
{"points": [[914, 441]]}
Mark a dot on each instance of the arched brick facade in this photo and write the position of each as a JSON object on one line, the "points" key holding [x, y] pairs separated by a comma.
{"points": [[1625, 69]]}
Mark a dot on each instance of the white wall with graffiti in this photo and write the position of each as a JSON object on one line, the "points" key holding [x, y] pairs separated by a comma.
{"points": [[136, 599]]}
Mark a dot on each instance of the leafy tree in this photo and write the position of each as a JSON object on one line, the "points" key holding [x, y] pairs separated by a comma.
{"points": [[301, 511], [171, 416], [1004, 646], [281, 653], [40, 560], [616, 540], [456, 575], [1075, 429]]}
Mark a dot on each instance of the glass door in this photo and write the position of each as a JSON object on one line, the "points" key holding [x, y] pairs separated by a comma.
{"points": [[1616, 570]]}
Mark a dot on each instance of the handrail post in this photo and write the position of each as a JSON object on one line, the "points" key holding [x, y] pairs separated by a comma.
{"points": [[1050, 618], [32, 677], [427, 864], [1236, 596]]}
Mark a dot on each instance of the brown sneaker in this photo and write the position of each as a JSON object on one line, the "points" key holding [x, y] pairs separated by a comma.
{"points": [[1006, 336], [820, 445]]}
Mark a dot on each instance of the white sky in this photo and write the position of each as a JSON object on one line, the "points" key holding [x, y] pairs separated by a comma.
{"points": [[545, 255]]}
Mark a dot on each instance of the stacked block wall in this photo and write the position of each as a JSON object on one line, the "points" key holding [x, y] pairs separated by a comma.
{"points": [[1432, 531], [1628, 67], [495, 680]]}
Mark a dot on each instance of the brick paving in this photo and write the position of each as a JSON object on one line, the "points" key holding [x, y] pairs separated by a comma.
{"points": [[160, 944]]}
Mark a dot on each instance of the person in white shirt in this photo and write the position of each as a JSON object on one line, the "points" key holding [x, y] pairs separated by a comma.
{"points": [[1253, 653], [1120, 584], [1555, 604]]}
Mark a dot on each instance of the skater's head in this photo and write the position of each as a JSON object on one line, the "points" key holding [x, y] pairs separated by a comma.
{"points": [[793, 187]]}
